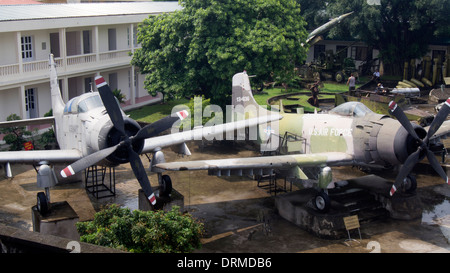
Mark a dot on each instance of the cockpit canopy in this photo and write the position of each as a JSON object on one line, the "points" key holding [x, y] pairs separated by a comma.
{"points": [[84, 103], [351, 109]]}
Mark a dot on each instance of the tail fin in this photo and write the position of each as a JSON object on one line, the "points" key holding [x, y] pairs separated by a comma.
{"points": [[57, 101], [242, 97], [246, 107]]}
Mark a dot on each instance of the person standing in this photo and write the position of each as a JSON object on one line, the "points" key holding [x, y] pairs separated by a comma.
{"points": [[351, 85], [376, 76]]}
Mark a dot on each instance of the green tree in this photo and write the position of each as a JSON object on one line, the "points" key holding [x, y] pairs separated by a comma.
{"points": [[142, 231], [400, 29], [14, 135], [314, 12], [198, 49]]}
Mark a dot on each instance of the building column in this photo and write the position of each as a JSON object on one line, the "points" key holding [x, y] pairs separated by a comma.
{"points": [[95, 44], [23, 110], [133, 87], [65, 89], [131, 38], [63, 47], [19, 51]]}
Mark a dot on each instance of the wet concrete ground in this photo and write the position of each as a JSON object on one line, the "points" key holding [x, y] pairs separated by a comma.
{"points": [[240, 217]]}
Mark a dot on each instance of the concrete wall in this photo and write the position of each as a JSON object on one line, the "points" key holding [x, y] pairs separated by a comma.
{"points": [[14, 240]]}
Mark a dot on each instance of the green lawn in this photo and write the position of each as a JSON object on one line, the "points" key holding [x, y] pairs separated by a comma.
{"points": [[155, 112], [152, 113]]}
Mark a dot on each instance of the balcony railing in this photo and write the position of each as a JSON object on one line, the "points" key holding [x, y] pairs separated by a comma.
{"points": [[70, 63]]}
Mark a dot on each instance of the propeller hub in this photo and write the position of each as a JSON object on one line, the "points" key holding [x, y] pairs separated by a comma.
{"points": [[114, 137]]}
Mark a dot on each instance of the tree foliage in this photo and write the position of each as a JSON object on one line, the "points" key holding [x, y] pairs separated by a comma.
{"points": [[400, 29], [198, 49], [14, 135], [142, 231]]}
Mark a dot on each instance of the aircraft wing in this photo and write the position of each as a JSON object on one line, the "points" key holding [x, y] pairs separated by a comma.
{"points": [[26, 122], [255, 165], [36, 156], [209, 132]]}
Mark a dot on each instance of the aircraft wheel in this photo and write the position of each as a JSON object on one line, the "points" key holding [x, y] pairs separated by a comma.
{"points": [[166, 186], [410, 184], [322, 202], [42, 203]]}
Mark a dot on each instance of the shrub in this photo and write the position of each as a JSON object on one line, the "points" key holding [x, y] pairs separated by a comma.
{"points": [[143, 231]]}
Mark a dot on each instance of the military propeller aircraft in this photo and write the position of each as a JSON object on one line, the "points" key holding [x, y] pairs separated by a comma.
{"points": [[91, 129], [349, 134]]}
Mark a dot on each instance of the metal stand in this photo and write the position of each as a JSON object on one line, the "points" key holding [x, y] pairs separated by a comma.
{"points": [[271, 184], [95, 181]]}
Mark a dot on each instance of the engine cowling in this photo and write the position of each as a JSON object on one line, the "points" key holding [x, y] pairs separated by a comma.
{"points": [[385, 141], [110, 136]]}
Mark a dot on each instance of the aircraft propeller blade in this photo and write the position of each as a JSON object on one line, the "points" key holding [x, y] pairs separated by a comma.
{"points": [[415, 157], [160, 126], [88, 161], [405, 170], [115, 114], [112, 108], [438, 119], [141, 175], [404, 121], [436, 166]]}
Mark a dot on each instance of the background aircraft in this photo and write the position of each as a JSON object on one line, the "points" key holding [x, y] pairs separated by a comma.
{"points": [[91, 129], [350, 134]]}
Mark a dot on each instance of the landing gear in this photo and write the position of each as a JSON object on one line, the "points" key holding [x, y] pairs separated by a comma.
{"points": [[322, 202], [165, 188], [42, 203], [409, 184], [46, 178]]}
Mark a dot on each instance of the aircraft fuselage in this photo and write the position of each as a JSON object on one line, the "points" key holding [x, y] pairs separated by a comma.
{"points": [[351, 128]]}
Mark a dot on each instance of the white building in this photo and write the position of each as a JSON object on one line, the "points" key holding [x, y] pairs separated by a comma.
{"points": [[86, 40], [361, 53]]}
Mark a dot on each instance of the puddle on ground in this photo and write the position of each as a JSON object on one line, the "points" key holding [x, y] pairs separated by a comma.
{"points": [[440, 216]]}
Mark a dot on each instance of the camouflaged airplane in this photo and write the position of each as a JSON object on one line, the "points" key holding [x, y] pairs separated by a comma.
{"points": [[349, 134], [91, 129]]}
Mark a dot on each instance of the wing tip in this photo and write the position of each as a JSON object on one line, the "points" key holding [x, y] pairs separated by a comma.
{"points": [[68, 171], [152, 199], [393, 190], [183, 114], [99, 81]]}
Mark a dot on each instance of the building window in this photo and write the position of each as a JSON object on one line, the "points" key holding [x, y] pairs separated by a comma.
{"points": [[87, 47], [113, 81], [27, 48], [112, 44], [134, 37], [30, 103], [88, 82], [359, 53]]}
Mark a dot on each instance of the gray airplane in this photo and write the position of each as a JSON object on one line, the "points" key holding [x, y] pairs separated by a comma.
{"points": [[91, 129], [349, 134]]}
